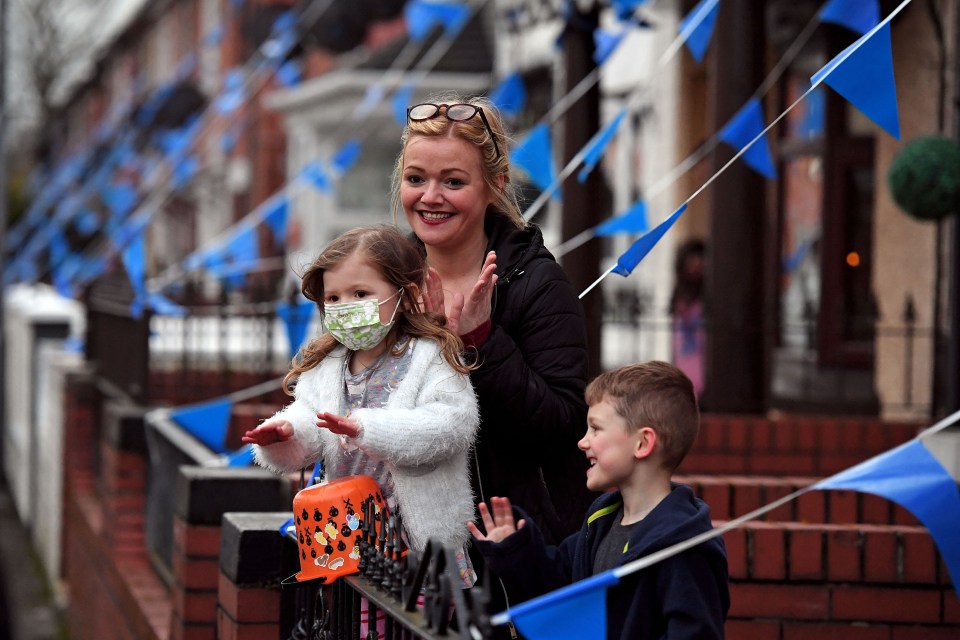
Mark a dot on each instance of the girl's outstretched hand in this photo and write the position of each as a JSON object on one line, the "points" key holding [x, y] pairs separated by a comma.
{"points": [[338, 424], [499, 524], [270, 432]]}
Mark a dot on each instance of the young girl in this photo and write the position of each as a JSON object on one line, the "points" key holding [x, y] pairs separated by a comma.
{"points": [[383, 393]]}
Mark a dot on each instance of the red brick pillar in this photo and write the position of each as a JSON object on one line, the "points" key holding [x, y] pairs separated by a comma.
{"points": [[123, 478], [254, 558], [202, 496]]}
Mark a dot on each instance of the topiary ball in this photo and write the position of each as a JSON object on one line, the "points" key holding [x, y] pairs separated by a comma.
{"points": [[924, 178]]}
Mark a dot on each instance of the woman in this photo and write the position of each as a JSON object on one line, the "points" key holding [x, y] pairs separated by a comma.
{"points": [[508, 299], [687, 310]]}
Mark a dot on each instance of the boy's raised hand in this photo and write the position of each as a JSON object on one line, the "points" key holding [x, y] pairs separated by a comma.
{"points": [[270, 432], [499, 524]]}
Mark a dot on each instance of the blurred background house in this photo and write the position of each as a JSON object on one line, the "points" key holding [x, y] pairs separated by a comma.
{"points": [[172, 188]]}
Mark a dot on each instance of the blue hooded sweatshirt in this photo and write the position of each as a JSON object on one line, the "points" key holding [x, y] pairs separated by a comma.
{"points": [[685, 596]]}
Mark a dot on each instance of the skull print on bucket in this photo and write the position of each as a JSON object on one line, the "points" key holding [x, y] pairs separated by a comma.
{"points": [[356, 325]]}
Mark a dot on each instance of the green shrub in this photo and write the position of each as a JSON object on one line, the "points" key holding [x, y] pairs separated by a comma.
{"points": [[924, 178]]}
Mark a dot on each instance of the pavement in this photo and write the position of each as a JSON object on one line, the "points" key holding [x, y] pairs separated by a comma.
{"points": [[27, 608]]}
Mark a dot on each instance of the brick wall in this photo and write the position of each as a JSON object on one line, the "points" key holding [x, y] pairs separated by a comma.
{"points": [[790, 445], [828, 564], [113, 591]]}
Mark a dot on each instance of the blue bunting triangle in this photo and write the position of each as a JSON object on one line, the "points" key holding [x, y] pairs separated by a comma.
{"points": [[276, 219], [120, 198], [206, 422], [510, 96], [696, 28], [289, 527], [863, 74], [176, 143], [642, 246], [289, 73], [231, 98], [200, 258], [746, 125], [59, 249], [184, 171], [242, 457], [856, 15], [346, 156], [134, 261], [423, 16], [315, 174], [549, 616], [534, 155], [86, 222], [161, 305], [605, 43], [598, 144], [626, 8], [62, 285], [910, 476], [296, 318], [634, 220], [399, 102], [243, 248]]}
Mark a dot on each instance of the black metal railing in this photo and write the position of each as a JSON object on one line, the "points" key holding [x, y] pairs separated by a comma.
{"points": [[216, 348], [799, 375], [392, 581]]}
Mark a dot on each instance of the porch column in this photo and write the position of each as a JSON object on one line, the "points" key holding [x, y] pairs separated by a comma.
{"points": [[736, 375]]}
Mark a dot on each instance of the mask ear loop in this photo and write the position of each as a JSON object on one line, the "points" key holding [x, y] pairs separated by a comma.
{"points": [[399, 300]]}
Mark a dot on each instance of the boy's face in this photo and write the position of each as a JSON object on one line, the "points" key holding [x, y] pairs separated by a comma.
{"points": [[610, 447]]}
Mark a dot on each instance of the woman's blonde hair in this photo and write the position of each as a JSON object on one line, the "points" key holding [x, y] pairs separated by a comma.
{"points": [[399, 261], [495, 167]]}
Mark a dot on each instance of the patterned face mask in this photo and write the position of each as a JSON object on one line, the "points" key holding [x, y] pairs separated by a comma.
{"points": [[356, 325]]}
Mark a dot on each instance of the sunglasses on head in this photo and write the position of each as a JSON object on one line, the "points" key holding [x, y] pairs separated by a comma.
{"points": [[456, 112]]}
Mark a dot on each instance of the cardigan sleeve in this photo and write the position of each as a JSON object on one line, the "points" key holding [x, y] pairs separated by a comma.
{"points": [[439, 420], [304, 447]]}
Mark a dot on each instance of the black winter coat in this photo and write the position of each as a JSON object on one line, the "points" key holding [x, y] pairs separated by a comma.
{"points": [[530, 383]]}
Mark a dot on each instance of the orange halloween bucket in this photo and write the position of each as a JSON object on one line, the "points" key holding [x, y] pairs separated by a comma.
{"points": [[329, 521]]}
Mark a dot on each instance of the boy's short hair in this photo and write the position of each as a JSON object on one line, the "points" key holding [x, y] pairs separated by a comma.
{"points": [[655, 394]]}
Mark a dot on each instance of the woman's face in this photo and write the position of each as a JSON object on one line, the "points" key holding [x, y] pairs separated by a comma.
{"points": [[442, 191]]}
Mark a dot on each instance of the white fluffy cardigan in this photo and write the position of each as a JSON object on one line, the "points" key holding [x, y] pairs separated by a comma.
{"points": [[424, 435]]}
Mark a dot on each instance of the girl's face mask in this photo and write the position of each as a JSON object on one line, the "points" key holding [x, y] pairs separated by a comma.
{"points": [[356, 325]]}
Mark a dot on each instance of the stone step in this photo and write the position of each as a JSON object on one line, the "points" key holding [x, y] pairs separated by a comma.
{"points": [[732, 496]]}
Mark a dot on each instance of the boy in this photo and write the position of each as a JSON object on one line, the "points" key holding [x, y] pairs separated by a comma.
{"points": [[642, 421]]}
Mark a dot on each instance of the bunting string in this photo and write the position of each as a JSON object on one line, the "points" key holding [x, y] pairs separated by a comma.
{"points": [[700, 14]]}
